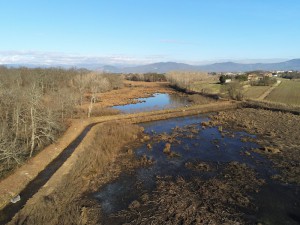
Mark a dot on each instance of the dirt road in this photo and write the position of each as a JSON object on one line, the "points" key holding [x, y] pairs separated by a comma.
{"points": [[264, 95]]}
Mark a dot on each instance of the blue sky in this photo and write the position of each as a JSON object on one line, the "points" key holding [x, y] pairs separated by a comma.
{"points": [[141, 31]]}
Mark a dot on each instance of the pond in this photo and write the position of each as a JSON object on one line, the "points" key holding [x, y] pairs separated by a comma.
{"points": [[156, 102], [210, 147]]}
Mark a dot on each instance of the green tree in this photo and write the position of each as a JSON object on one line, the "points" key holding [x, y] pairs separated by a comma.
{"points": [[223, 78]]}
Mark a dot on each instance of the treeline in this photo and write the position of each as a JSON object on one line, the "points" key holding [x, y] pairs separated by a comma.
{"points": [[239, 78], [291, 75], [184, 80], [148, 77], [35, 103], [264, 81]]}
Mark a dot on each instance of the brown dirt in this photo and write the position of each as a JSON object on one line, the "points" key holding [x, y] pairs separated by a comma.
{"points": [[277, 133]]}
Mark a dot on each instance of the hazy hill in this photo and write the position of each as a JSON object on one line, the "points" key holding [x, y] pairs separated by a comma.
{"points": [[164, 67]]}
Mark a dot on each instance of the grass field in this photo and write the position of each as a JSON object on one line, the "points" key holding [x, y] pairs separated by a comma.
{"points": [[287, 92], [254, 92], [207, 87]]}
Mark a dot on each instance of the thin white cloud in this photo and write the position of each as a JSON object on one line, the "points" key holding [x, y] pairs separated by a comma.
{"points": [[63, 59], [56, 58]]}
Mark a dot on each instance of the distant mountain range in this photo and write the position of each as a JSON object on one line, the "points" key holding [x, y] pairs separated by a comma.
{"points": [[163, 67]]}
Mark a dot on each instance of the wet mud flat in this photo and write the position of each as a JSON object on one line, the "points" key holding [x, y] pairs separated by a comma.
{"points": [[202, 171], [277, 133]]}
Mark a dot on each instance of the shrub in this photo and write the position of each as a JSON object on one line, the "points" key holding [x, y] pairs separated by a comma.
{"points": [[234, 91]]}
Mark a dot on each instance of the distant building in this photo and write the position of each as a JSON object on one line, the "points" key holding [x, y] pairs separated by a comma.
{"points": [[267, 75], [252, 77]]}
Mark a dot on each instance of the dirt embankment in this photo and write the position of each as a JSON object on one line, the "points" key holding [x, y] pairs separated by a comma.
{"points": [[61, 200], [277, 133], [14, 184], [219, 200]]}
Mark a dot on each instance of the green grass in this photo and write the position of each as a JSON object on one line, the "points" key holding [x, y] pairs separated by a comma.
{"points": [[287, 92], [254, 92], [207, 87]]}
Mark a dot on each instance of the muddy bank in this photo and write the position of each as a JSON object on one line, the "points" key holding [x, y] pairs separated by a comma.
{"points": [[277, 133]]}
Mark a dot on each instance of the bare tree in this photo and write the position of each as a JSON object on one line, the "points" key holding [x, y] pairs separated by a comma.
{"points": [[35, 103], [97, 83], [184, 80]]}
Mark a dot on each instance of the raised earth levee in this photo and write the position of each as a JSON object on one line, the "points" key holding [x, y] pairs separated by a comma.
{"points": [[12, 185]]}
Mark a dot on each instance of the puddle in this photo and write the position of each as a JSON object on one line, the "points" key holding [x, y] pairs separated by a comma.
{"points": [[156, 102], [209, 146]]}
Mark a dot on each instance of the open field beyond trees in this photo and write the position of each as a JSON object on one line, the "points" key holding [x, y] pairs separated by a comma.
{"points": [[253, 92], [288, 92]]}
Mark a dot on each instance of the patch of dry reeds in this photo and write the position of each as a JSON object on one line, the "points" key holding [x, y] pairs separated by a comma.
{"points": [[272, 106], [62, 203], [97, 111], [200, 99]]}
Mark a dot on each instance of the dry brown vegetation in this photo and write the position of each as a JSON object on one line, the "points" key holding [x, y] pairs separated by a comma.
{"points": [[275, 106], [16, 182], [35, 104], [278, 135], [130, 91], [233, 90], [200, 99], [219, 200], [184, 80], [62, 201], [80, 113]]}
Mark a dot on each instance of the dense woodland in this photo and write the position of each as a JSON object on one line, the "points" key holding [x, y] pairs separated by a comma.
{"points": [[36, 103]]}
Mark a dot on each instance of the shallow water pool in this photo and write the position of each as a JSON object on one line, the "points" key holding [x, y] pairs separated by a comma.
{"points": [[156, 102], [276, 203]]}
